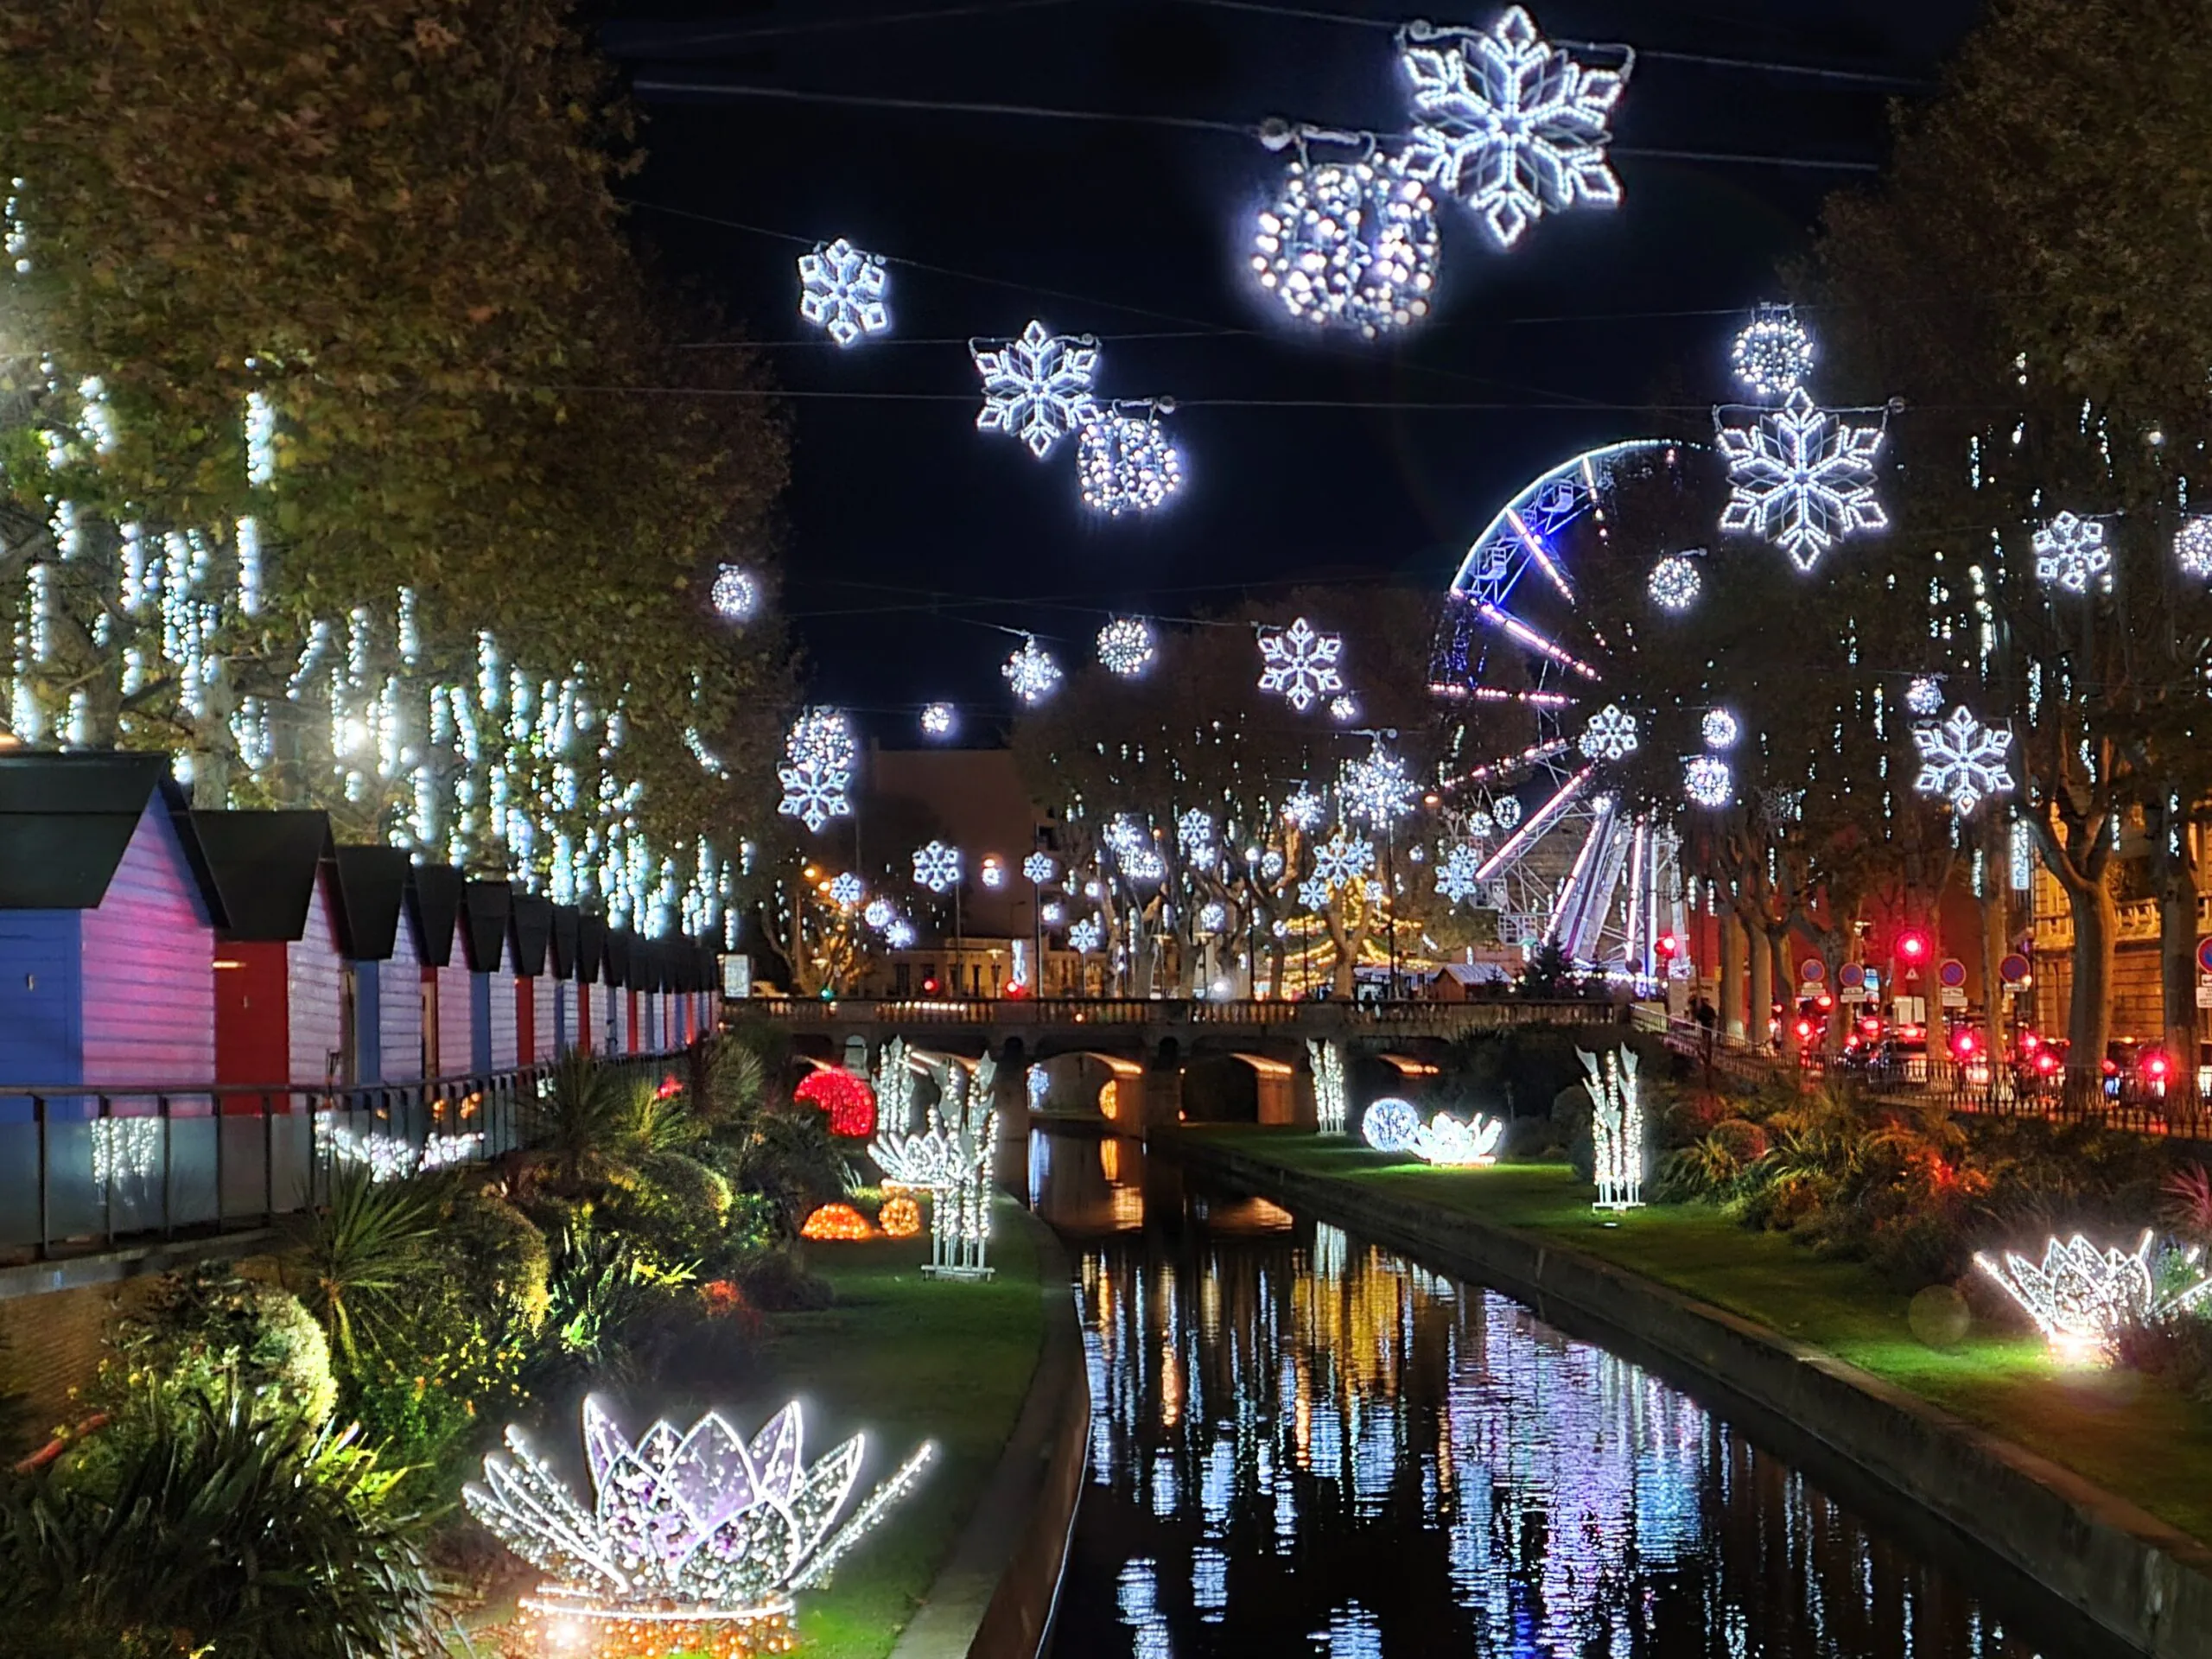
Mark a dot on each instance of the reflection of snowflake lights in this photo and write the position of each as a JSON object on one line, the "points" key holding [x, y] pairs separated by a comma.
{"points": [[1674, 583], [1036, 388], [1376, 790], [1506, 812], [1303, 810], [1617, 1128], [1213, 917], [2193, 546], [1924, 695], [1300, 664], [1030, 671], [880, 914], [1720, 729], [1343, 709], [1962, 760], [1125, 462], [2081, 1298], [1802, 478], [1349, 242], [1456, 873], [2070, 552], [1330, 1095], [1126, 647], [1774, 354], [939, 720], [842, 290], [1611, 733], [1707, 781], [847, 890], [1086, 936], [1039, 867], [1445, 1141], [734, 594], [1342, 859], [1390, 1124], [937, 867]]}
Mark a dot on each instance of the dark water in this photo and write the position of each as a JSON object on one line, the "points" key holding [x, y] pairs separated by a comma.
{"points": [[1306, 1446]]}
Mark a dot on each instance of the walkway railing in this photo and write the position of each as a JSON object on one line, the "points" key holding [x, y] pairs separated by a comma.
{"points": [[88, 1168], [1173, 1011]]}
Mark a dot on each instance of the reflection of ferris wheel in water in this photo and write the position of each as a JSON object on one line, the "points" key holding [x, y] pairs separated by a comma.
{"points": [[1518, 641]]}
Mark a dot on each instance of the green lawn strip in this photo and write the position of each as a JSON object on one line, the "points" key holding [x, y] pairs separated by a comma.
{"points": [[2137, 1436], [906, 1360]]}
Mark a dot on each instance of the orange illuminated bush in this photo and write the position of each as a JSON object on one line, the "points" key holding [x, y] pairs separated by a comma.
{"points": [[900, 1217], [848, 1099], [836, 1221]]}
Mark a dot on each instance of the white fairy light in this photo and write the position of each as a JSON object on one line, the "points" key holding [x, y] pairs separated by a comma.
{"points": [[1802, 478], [1617, 1127], [1774, 354], [2193, 546], [1446, 1142], [1611, 733], [950, 1159], [1126, 647], [1674, 583], [1030, 671], [128, 1148], [693, 1541], [847, 891], [1124, 461], [1213, 917], [1300, 664], [1349, 243], [1376, 790], [14, 235], [1086, 936], [1510, 123], [735, 593], [1456, 872], [1506, 812], [2071, 552], [1194, 834], [2081, 1298], [1720, 729], [1707, 781], [1342, 859], [937, 867], [1303, 810], [939, 720], [879, 914], [260, 439], [392, 1158], [1390, 1124], [1331, 1097], [842, 291], [1924, 695], [1962, 760], [1036, 388]]}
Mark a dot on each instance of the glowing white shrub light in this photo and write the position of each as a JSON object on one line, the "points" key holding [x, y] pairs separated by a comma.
{"points": [[1390, 1124], [1445, 1142], [1611, 733], [1615, 1128], [1774, 354], [1349, 243], [1124, 461], [1802, 478], [734, 594], [842, 291], [951, 1159], [690, 1542], [1126, 647], [1036, 388], [1030, 671], [1300, 664], [1331, 1097], [1962, 760], [2081, 1298], [1674, 583], [2071, 552]]}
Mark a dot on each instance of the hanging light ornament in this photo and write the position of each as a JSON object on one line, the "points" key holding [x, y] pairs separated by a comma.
{"points": [[1303, 810], [1611, 733], [1674, 583], [1800, 477], [842, 291], [1962, 761], [1036, 388], [819, 751], [1720, 729], [1086, 936], [1924, 695], [1505, 812], [1348, 244], [734, 594], [2193, 546], [847, 891], [938, 719], [879, 914], [1300, 664], [822, 737], [1707, 781], [1126, 647], [1343, 709], [1457, 874], [937, 867], [2071, 552], [1124, 461], [1194, 834], [1774, 354], [1030, 671], [1510, 123], [1376, 789]]}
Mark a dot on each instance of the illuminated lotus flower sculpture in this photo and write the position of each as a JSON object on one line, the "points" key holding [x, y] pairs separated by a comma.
{"points": [[2081, 1297], [692, 1543], [1445, 1141]]}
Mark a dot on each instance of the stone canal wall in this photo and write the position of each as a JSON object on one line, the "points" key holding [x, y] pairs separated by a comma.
{"points": [[2128, 1572]]}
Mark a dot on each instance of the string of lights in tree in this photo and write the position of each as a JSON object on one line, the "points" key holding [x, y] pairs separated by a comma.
{"points": [[2193, 547], [1126, 647], [2071, 553], [1348, 243], [1300, 664], [842, 291], [1963, 761]]}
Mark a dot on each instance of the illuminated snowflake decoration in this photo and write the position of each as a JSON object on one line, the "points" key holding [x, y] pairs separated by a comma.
{"points": [[1802, 478], [939, 720], [1458, 873], [1125, 836], [847, 890], [879, 914], [1030, 671], [2081, 1298], [1036, 388], [1506, 810], [1300, 664], [1707, 781], [1611, 733], [1720, 729], [1446, 1142], [1924, 696], [1194, 834], [1343, 709], [1349, 243], [899, 936], [1390, 1124], [1510, 125], [1962, 760], [700, 1539], [1125, 462], [734, 594], [822, 737], [937, 867], [1053, 915], [1086, 936], [1376, 790], [814, 793], [1126, 647], [1039, 867], [2193, 546], [1774, 354], [1213, 917], [1674, 584], [1140, 864], [2071, 552], [1303, 810], [842, 291], [1313, 893], [1271, 864], [1341, 860]]}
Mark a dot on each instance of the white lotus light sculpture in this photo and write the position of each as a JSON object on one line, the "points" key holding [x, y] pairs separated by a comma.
{"points": [[1446, 1142], [951, 1159], [693, 1542], [2081, 1297]]}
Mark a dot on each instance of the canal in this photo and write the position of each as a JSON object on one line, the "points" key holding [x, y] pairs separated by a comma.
{"points": [[1304, 1445]]}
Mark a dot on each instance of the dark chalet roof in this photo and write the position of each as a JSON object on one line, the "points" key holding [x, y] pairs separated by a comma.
{"points": [[265, 866], [529, 931], [485, 907], [434, 894], [373, 889], [65, 821]]}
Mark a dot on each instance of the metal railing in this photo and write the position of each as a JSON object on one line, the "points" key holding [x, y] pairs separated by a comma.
{"points": [[88, 1168], [1330, 1015]]}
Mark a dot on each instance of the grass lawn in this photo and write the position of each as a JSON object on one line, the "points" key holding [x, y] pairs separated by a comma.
{"points": [[2133, 1435]]}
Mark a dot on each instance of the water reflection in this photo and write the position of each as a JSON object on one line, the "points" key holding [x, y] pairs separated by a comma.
{"points": [[1306, 1446]]}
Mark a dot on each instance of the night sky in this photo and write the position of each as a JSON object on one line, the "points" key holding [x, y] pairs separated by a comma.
{"points": [[906, 532]]}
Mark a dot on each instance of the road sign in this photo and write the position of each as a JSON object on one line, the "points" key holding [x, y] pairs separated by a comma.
{"points": [[2204, 953], [1953, 997], [1850, 977], [2015, 969], [1812, 970], [1951, 973]]}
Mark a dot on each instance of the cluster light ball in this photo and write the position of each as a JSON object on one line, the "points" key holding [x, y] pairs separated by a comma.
{"points": [[1720, 729], [2193, 546], [735, 593], [1674, 584], [1213, 917], [1707, 782], [1349, 243], [1774, 354], [1125, 462], [993, 871], [900, 1217], [1505, 811], [1924, 696], [836, 1222], [822, 737], [1390, 1124], [1611, 734], [939, 720], [1126, 647], [880, 914], [1053, 914], [899, 935], [1030, 671]]}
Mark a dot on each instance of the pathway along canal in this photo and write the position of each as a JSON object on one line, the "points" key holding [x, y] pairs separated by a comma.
{"points": [[1306, 1446]]}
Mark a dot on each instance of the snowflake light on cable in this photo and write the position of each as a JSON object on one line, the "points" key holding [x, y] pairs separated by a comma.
{"points": [[1446, 1142], [2081, 1298], [1802, 478], [879, 914], [1030, 671], [1611, 733], [734, 594], [1300, 664], [1341, 858], [2070, 553], [1389, 1124], [2193, 546], [937, 867], [1707, 781], [842, 291], [695, 1542], [1674, 584], [814, 793], [1086, 936], [1924, 695], [1126, 647], [1303, 810], [1962, 760], [1720, 729], [1774, 354], [1039, 867], [1376, 790], [1036, 388], [939, 720], [1349, 243], [1194, 834], [1313, 893], [1510, 123], [1124, 461], [847, 890], [1456, 873]]}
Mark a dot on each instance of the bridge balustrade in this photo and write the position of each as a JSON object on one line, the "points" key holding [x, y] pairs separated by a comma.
{"points": [[1328, 1017]]}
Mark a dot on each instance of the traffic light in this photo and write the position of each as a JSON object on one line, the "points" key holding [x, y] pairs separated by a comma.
{"points": [[1912, 946], [1668, 947]]}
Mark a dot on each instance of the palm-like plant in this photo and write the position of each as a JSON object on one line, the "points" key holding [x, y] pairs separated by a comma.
{"points": [[583, 1123], [353, 1258]]}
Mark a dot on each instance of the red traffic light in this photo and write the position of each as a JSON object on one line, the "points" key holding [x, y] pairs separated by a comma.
{"points": [[1912, 945], [2155, 1066], [1964, 1041], [930, 987], [1668, 947]]}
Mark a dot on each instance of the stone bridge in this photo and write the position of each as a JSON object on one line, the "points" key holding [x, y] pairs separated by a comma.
{"points": [[1149, 1048]]}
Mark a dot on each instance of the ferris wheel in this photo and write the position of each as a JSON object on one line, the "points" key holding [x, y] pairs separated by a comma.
{"points": [[1521, 642]]}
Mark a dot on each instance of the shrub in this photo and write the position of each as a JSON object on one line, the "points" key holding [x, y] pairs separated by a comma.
{"points": [[207, 1333], [776, 1280], [355, 1259], [609, 1292], [502, 1256]]}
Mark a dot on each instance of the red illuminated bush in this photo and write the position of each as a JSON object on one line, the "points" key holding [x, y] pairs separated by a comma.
{"points": [[848, 1099]]}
